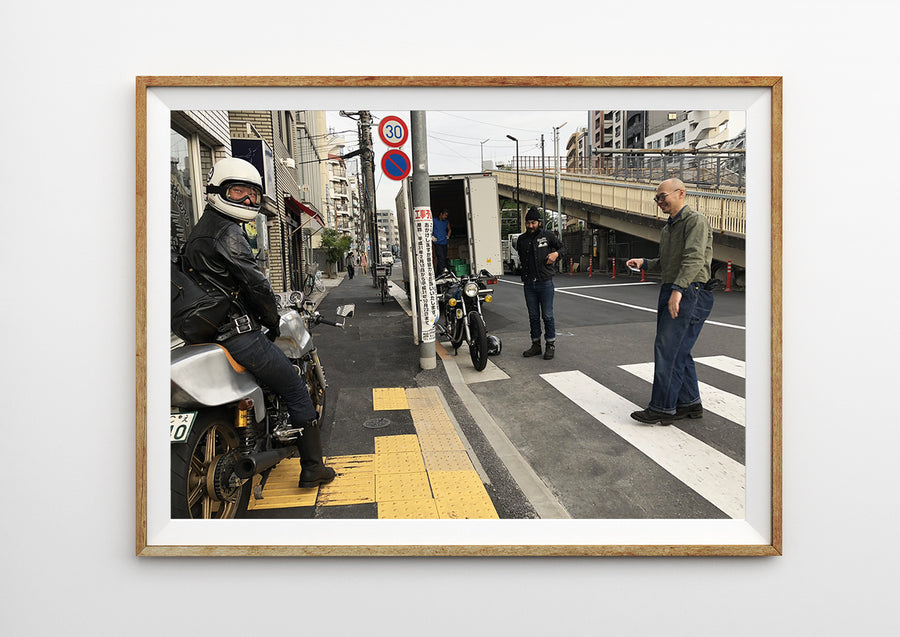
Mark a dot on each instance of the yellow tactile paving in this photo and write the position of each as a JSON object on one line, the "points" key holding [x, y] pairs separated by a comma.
{"points": [[447, 461], [402, 486], [426, 475], [396, 444], [440, 442], [354, 483], [390, 398], [449, 484], [466, 508], [281, 489], [424, 509], [399, 462]]}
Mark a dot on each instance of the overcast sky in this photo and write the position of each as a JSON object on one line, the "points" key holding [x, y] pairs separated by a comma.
{"points": [[454, 140]]}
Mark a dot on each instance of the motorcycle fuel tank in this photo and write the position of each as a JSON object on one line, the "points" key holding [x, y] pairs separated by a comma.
{"points": [[202, 376]]}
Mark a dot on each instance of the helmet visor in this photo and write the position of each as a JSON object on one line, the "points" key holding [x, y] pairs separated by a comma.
{"points": [[243, 193]]}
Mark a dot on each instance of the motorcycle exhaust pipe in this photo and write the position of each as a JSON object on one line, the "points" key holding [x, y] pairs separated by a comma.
{"points": [[255, 463]]}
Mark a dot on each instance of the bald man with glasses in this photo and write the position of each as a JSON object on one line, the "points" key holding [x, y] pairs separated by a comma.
{"points": [[684, 262]]}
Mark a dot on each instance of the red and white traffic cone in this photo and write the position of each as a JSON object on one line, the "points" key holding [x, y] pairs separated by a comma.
{"points": [[614, 268], [728, 278], [590, 267]]}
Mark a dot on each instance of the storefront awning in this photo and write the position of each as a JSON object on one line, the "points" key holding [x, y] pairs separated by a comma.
{"points": [[309, 219]]}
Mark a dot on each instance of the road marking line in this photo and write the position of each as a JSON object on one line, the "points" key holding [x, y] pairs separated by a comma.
{"points": [[725, 364], [715, 400], [545, 504], [712, 474], [628, 305]]}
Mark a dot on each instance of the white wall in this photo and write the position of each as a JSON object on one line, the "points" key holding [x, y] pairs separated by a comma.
{"points": [[67, 540]]}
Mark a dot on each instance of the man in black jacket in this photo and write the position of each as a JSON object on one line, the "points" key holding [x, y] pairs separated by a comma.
{"points": [[539, 251], [218, 248]]}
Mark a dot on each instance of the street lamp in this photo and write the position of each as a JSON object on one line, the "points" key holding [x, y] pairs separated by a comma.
{"points": [[558, 194], [481, 167], [518, 207]]}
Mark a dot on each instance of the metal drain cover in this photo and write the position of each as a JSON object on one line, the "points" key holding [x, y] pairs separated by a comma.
{"points": [[377, 423]]}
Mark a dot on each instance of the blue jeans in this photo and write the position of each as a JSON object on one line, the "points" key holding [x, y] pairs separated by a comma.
{"points": [[674, 376], [539, 301], [273, 370]]}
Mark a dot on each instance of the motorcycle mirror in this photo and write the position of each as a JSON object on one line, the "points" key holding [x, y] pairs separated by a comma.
{"points": [[346, 310]]}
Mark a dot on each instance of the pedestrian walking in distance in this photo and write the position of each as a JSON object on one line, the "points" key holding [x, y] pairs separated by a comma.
{"points": [[685, 259], [350, 267], [539, 250]]}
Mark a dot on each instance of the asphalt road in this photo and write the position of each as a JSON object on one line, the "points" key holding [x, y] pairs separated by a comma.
{"points": [[554, 438]]}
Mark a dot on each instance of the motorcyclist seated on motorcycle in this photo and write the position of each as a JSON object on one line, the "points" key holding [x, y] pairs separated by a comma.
{"points": [[219, 249]]}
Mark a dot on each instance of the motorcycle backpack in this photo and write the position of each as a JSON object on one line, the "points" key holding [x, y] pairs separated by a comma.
{"points": [[199, 306]]}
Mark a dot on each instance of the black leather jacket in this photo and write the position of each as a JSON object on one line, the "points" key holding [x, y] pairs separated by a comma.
{"points": [[533, 250], [218, 248]]}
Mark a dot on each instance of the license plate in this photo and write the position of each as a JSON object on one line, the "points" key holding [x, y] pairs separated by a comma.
{"points": [[180, 426]]}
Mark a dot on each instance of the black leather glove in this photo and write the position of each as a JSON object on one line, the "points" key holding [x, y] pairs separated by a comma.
{"points": [[273, 333]]}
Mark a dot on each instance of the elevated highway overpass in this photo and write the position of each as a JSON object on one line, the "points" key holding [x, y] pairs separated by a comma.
{"points": [[629, 207]]}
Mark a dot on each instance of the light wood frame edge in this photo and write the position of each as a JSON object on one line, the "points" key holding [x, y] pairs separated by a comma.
{"points": [[142, 83]]}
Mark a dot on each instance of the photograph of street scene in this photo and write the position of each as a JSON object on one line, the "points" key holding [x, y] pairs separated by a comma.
{"points": [[458, 314]]}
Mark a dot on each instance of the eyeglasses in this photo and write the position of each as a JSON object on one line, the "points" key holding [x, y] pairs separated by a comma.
{"points": [[658, 198]]}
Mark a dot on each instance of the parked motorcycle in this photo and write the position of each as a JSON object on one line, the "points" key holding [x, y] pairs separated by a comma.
{"points": [[225, 428], [462, 320]]}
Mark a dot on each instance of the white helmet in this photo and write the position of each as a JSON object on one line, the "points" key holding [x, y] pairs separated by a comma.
{"points": [[234, 188]]}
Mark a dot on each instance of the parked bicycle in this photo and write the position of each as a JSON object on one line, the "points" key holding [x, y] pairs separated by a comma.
{"points": [[382, 276], [313, 283]]}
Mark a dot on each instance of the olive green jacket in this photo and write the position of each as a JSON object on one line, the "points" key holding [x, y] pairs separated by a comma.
{"points": [[685, 250]]}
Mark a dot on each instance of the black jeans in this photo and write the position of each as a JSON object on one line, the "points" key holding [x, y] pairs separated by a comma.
{"points": [[273, 370], [440, 253]]}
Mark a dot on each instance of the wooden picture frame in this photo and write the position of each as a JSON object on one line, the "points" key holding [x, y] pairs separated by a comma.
{"points": [[423, 539]]}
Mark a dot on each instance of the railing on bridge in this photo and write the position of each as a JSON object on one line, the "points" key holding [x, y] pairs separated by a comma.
{"points": [[705, 168], [725, 211]]}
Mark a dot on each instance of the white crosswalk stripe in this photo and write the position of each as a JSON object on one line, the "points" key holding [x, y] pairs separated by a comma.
{"points": [[712, 474], [725, 364], [717, 401]]}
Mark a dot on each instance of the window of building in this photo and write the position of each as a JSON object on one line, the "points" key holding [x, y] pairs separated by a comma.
{"points": [[673, 117], [669, 138], [182, 203], [679, 137]]}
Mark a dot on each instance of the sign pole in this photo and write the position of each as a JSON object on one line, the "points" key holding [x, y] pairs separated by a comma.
{"points": [[421, 199]]}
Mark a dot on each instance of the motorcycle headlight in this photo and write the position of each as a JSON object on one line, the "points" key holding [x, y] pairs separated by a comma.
{"points": [[471, 289]]}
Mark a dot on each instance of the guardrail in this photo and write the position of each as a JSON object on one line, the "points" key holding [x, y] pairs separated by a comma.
{"points": [[726, 212]]}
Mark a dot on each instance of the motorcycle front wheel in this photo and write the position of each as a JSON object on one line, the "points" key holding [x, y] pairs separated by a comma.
{"points": [[315, 386], [478, 347], [201, 470]]}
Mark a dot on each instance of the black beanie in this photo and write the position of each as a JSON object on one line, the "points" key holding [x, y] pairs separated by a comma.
{"points": [[533, 214]]}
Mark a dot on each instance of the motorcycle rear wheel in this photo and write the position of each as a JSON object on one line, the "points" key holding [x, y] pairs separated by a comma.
{"points": [[198, 471], [478, 347]]}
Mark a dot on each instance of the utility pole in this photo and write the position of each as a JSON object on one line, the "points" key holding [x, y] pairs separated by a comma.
{"points": [[368, 160], [421, 201]]}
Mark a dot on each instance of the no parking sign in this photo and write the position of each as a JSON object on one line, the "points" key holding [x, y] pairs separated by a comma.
{"points": [[395, 164]]}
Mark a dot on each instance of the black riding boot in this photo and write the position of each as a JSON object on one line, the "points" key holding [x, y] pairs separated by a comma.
{"points": [[313, 471]]}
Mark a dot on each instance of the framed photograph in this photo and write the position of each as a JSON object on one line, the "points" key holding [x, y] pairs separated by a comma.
{"points": [[596, 169]]}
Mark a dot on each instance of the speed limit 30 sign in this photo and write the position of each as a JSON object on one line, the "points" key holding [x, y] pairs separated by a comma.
{"points": [[393, 131]]}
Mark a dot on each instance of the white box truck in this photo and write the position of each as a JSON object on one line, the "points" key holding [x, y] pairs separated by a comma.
{"points": [[474, 214], [473, 204]]}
